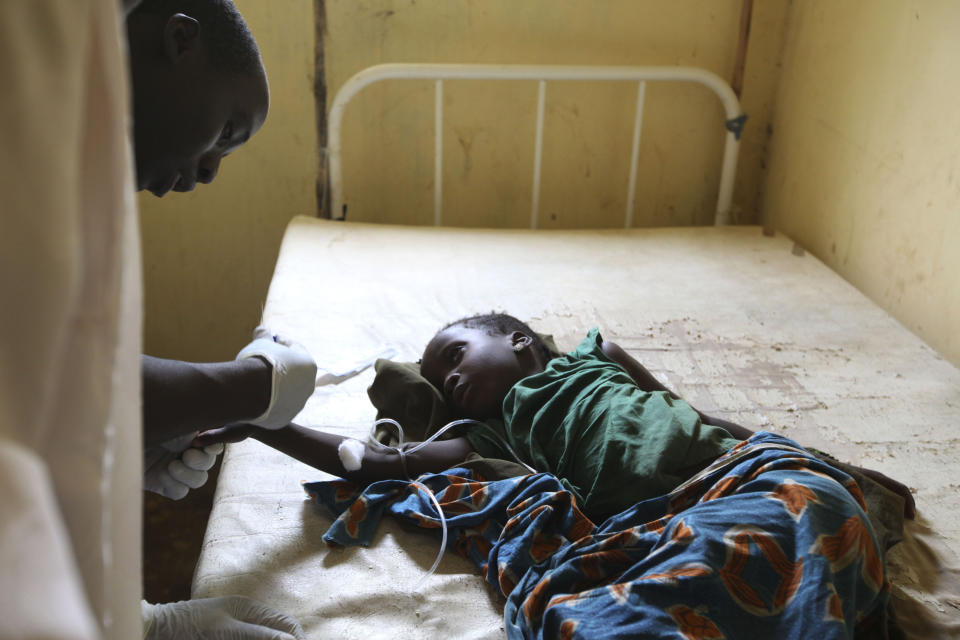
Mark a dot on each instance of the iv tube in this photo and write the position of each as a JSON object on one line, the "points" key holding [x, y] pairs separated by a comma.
{"points": [[399, 450]]}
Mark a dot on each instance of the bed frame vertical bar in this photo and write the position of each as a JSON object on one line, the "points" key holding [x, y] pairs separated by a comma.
{"points": [[635, 154], [727, 175], [538, 154], [438, 155]]}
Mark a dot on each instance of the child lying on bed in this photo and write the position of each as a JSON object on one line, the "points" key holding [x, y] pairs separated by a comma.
{"points": [[595, 418], [767, 541]]}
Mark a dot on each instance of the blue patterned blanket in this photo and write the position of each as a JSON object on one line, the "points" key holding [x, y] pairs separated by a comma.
{"points": [[767, 542]]}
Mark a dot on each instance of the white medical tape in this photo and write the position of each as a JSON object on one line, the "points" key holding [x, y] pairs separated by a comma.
{"points": [[351, 454]]}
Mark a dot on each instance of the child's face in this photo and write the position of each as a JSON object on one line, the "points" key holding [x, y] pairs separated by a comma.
{"points": [[474, 370]]}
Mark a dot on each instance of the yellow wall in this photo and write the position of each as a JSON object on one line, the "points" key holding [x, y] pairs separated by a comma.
{"points": [[208, 255], [861, 164], [489, 127], [864, 167]]}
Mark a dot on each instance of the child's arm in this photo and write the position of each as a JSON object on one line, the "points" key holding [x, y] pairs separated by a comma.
{"points": [[647, 382], [319, 450]]}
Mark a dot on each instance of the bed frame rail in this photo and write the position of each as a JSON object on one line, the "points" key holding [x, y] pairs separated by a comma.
{"points": [[540, 73]]}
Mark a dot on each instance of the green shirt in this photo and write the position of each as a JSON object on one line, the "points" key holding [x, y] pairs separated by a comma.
{"points": [[586, 421]]}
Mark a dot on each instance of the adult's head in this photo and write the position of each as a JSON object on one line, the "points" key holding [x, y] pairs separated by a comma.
{"points": [[199, 90], [475, 361]]}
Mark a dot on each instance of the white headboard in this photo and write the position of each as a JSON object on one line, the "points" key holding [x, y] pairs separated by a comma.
{"points": [[541, 73]]}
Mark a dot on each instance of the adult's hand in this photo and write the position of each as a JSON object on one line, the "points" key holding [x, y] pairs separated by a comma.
{"points": [[227, 618], [172, 470], [294, 376]]}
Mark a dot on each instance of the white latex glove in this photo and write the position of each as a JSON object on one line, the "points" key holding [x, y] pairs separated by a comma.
{"points": [[294, 376], [172, 472], [228, 618]]}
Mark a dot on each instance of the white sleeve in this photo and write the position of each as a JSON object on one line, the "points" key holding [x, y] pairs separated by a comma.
{"points": [[42, 592], [69, 449]]}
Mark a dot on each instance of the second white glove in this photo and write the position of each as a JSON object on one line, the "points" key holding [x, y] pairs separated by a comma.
{"points": [[226, 618], [173, 473], [294, 376]]}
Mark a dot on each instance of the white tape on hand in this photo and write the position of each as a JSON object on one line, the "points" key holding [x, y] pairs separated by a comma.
{"points": [[351, 454]]}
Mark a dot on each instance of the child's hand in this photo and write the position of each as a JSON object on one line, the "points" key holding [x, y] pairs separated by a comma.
{"points": [[229, 433]]}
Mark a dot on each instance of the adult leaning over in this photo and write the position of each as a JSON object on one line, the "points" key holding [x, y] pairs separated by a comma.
{"points": [[70, 366], [199, 92]]}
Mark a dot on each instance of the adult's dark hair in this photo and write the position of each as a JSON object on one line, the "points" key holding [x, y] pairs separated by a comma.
{"points": [[504, 324], [223, 31]]}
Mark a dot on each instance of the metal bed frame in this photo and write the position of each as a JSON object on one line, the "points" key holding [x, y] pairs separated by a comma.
{"points": [[541, 73]]}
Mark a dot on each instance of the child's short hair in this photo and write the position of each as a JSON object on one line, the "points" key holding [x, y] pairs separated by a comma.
{"points": [[503, 324], [226, 36]]}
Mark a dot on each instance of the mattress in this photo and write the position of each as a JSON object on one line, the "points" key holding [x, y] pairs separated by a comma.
{"points": [[745, 326]]}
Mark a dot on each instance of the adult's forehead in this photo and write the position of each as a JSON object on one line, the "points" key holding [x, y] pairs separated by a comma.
{"points": [[247, 99]]}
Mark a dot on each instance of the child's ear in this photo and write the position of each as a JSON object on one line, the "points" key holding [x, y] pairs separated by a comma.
{"points": [[181, 35], [520, 341]]}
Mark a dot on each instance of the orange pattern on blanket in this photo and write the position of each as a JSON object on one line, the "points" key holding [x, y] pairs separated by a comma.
{"points": [[721, 489], [457, 491], [543, 546], [683, 497], [506, 579], [737, 447], [456, 508], [686, 571], [794, 497], [355, 514], [427, 522], [625, 539], [658, 525], [693, 625], [563, 599], [536, 603], [852, 542], [834, 605], [620, 591], [581, 527], [345, 490], [682, 533], [783, 464], [539, 600], [738, 552], [854, 489], [560, 498], [599, 565], [473, 539], [520, 522]]}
